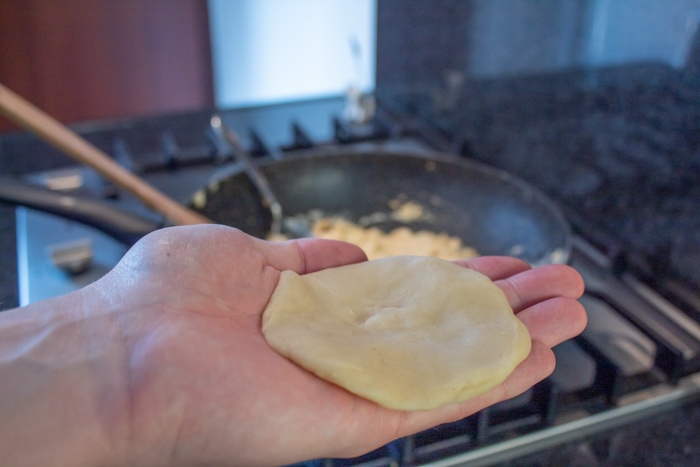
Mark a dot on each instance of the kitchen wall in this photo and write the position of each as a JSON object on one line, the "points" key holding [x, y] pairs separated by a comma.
{"points": [[623, 31], [519, 36], [91, 59], [276, 50], [427, 41], [95, 59]]}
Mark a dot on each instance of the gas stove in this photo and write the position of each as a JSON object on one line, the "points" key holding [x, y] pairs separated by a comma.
{"points": [[639, 355]]}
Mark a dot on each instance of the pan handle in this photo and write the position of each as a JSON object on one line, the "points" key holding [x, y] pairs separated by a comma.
{"points": [[124, 226], [58, 135], [252, 170]]}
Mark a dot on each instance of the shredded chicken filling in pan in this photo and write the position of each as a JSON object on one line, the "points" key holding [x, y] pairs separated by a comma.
{"points": [[400, 241]]}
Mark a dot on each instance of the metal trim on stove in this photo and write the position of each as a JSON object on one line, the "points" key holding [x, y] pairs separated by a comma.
{"points": [[686, 392]]}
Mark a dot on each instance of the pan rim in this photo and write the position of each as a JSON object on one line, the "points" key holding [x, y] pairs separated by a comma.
{"points": [[560, 255]]}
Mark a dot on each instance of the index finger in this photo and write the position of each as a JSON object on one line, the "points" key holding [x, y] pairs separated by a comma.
{"points": [[542, 283]]}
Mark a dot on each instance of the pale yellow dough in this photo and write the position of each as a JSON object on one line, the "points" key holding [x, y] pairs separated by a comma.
{"points": [[407, 332]]}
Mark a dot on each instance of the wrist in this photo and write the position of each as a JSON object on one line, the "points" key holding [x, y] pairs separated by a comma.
{"points": [[62, 384]]}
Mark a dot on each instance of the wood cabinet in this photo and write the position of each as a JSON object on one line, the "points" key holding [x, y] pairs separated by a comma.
{"points": [[97, 59]]}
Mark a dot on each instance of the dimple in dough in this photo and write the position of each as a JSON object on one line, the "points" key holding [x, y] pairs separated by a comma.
{"points": [[407, 332]]}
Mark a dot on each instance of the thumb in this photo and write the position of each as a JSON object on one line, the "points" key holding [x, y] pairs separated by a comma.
{"points": [[309, 254]]}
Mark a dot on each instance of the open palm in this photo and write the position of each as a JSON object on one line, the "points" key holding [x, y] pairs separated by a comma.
{"points": [[204, 386]]}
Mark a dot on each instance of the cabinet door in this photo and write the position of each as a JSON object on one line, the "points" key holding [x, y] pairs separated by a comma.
{"points": [[95, 59]]}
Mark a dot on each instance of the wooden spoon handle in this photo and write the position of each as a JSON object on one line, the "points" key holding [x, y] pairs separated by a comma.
{"points": [[55, 133]]}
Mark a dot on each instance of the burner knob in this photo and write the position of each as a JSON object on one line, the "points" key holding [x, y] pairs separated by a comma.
{"points": [[72, 257]]}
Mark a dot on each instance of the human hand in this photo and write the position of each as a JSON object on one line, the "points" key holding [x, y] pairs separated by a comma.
{"points": [[201, 385]]}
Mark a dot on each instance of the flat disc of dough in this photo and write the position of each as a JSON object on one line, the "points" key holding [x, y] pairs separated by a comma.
{"points": [[407, 332]]}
